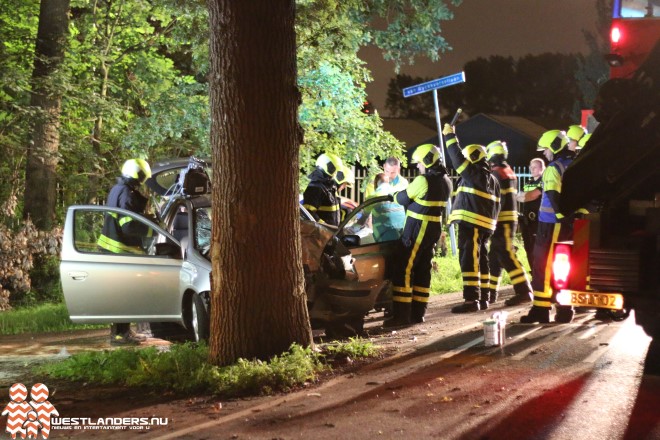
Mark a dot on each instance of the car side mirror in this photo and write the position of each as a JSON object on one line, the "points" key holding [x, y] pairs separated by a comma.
{"points": [[168, 249], [351, 240]]}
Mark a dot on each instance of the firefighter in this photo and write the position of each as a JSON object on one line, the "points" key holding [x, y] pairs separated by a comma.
{"points": [[320, 196], [502, 254], [475, 210], [424, 199], [583, 142], [123, 234], [574, 134], [553, 227], [530, 198]]}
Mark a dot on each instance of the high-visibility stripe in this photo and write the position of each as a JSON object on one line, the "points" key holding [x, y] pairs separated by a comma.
{"points": [[476, 192], [402, 289], [471, 283], [507, 216], [512, 255], [451, 141], [413, 253], [547, 291], [117, 247], [421, 289], [402, 299], [462, 168], [425, 217], [471, 274], [431, 203], [519, 279], [423, 299], [471, 217], [329, 208], [310, 208], [509, 190]]}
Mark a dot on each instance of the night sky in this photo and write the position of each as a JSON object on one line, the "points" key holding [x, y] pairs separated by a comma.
{"points": [[481, 28]]}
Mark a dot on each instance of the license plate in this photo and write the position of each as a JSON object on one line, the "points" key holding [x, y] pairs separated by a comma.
{"points": [[590, 299]]}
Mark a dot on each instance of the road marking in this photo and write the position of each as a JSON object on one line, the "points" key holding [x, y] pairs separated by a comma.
{"points": [[462, 348]]}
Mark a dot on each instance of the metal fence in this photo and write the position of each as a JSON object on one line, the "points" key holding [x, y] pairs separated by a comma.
{"points": [[362, 174]]}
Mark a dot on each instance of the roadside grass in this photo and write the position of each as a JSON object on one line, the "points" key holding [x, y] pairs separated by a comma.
{"points": [[446, 277], [46, 317], [184, 368]]}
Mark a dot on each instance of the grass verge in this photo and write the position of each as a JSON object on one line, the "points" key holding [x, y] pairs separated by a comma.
{"points": [[184, 368], [45, 317]]}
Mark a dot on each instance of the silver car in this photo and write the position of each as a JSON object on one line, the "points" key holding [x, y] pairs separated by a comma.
{"points": [[168, 284]]}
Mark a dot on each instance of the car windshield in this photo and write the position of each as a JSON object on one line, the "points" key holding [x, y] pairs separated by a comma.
{"points": [[203, 218]]}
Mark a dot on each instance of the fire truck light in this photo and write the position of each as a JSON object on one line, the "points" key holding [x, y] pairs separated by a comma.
{"points": [[561, 265], [563, 297]]}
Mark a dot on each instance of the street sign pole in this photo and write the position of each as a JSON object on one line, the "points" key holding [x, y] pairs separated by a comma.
{"points": [[434, 85]]}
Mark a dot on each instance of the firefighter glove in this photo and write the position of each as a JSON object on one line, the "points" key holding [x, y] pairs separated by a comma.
{"points": [[447, 129]]}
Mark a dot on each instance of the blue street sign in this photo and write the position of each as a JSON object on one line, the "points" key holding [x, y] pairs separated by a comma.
{"points": [[439, 83]]}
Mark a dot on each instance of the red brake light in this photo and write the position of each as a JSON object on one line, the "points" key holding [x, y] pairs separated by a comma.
{"points": [[615, 35], [561, 265]]}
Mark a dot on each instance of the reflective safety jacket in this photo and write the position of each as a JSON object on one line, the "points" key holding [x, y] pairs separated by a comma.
{"points": [[508, 189], [425, 199], [477, 199], [552, 188], [321, 198], [531, 209], [123, 234]]}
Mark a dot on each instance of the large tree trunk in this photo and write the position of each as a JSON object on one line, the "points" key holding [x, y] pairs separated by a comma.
{"points": [[258, 306], [40, 174]]}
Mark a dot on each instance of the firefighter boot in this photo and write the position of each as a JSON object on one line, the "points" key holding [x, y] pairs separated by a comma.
{"points": [[485, 296], [417, 312], [492, 296], [537, 314], [466, 307], [564, 314], [400, 315]]}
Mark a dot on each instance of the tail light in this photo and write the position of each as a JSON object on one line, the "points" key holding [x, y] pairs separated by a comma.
{"points": [[561, 265], [615, 35]]}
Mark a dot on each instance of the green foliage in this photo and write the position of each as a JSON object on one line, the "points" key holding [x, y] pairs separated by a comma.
{"points": [[355, 347], [45, 280], [46, 317]]}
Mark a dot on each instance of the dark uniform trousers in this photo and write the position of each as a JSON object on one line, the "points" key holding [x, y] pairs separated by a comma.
{"points": [[547, 235], [413, 284], [502, 255], [473, 259], [528, 231]]}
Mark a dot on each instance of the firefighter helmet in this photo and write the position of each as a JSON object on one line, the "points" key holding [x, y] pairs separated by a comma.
{"points": [[576, 132], [583, 141], [330, 163], [474, 153], [496, 148], [137, 169], [426, 154], [345, 175], [555, 140]]}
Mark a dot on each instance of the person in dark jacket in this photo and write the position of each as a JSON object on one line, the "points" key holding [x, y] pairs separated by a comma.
{"points": [[475, 209], [122, 234], [320, 197], [530, 198], [425, 200], [502, 253], [553, 227]]}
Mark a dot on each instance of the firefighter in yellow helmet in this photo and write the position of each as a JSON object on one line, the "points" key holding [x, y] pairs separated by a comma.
{"points": [[425, 200], [122, 234], [320, 197], [574, 135], [502, 254], [553, 227], [475, 210]]}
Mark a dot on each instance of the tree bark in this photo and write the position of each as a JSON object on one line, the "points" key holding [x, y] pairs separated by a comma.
{"points": [[258, 303], [40, 198]]}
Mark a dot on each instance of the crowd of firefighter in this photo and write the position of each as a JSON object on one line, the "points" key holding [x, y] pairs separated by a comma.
{"points": [[484, 210]]}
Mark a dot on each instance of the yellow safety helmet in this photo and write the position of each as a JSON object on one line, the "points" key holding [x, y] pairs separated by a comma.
{"points": [[345, 175], [583, 141], [576, 132], [426, 154], [496, 148], [555, 140], [474, 152], [137, 169], [330, 163]]}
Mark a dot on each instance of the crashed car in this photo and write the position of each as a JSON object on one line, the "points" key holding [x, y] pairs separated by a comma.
{"points": [[168, 284]]}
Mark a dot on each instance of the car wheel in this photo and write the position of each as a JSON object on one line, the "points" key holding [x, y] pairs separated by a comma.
{"points": [[199, 319], [169, 331], [344, 329]]}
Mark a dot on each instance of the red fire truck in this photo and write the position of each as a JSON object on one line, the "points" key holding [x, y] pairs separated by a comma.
{"points": [[613, 262]]}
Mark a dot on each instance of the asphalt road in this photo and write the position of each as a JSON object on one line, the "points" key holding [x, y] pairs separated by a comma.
{"points": [[585, 380]]}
